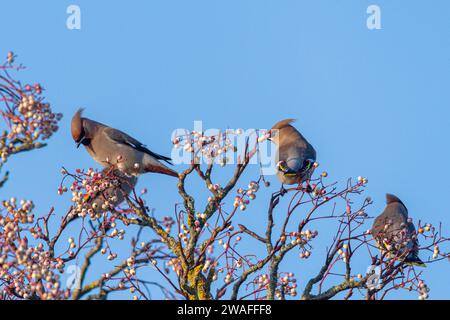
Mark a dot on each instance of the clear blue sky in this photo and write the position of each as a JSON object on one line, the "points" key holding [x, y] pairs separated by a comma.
{"points": [[373, 103]]}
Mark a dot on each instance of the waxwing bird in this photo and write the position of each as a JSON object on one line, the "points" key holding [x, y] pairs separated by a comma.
{"points": [[109, 146], [295, 156], [395, 234]]}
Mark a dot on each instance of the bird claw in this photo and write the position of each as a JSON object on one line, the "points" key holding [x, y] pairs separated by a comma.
{"points": [[308, 188]]}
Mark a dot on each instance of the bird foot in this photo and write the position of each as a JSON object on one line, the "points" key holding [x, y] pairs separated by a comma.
{"points": [[283, 191], [308, 188]]}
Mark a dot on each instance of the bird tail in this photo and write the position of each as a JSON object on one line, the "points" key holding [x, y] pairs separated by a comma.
{"points": [[161, 169], [415, 261]]}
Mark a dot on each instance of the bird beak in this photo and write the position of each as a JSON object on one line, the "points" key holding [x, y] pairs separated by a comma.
{"points": [[81, 141], [270, 135]]}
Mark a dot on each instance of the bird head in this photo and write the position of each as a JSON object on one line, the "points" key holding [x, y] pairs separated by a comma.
{"points": [[79, 134], [390, 198], [279, 126]]}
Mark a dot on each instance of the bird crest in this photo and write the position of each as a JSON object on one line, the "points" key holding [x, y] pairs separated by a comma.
{"points": [[283, 124], [76, 125], [390, 198]]}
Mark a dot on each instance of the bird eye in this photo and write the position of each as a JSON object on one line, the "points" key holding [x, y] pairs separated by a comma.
{"points": [[85, 141]]}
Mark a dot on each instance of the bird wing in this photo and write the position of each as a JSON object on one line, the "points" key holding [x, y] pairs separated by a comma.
{"points": [[414, 243], [121, 137], [413, 247], [395, 214], [378, 226]]}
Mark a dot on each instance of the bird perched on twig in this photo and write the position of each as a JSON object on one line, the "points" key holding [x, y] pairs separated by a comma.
{"points": [[395, 234], [295, 156], [109, 146]]}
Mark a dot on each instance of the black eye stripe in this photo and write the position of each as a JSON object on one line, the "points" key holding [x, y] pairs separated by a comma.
{"points": [[82, 134], [85, 141]]}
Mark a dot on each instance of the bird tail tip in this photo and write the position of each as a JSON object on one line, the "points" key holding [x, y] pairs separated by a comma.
{"points": [[162, 169], [172, 173], [416, 263]]}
